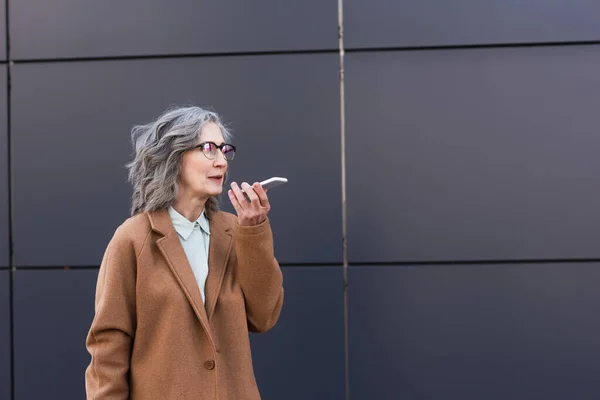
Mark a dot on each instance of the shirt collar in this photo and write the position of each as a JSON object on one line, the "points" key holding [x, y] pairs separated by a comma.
{"points": [[185, 227]]}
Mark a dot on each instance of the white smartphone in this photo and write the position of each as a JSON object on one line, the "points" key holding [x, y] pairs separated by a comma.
{"points": [[270, 183]]}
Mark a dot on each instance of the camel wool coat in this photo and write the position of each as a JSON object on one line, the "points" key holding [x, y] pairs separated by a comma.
{"points": [[152, 337]]}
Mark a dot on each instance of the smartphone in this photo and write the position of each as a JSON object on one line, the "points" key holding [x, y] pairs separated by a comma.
{"points": [[272, 182], [269, 184]]}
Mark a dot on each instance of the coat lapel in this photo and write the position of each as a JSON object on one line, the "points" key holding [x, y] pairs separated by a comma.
{"points": [[221, 243], [172, 250]]}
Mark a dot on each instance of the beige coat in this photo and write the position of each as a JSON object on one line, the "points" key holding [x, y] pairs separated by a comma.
{"points": [[153, 338]]}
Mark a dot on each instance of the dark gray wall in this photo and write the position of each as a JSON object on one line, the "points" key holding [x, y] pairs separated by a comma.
{"points": [[267, 111], [51, 313], [505, 331], [61, 301], [141, 27], [3, 41], [470, 180], [482, 154], [5, 327], [416, 23], [4, 168]]}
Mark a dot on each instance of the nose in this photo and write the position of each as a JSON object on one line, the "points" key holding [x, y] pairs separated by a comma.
{"points": [[220, 159]]}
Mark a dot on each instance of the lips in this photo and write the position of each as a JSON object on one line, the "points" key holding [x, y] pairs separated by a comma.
{"points": [[216, 177]]}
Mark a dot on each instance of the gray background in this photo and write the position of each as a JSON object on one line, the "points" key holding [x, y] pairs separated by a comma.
{"points": [[471, 268]]}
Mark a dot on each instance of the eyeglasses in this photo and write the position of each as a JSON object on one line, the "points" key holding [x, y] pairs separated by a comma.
{"points": [[210, 150]]}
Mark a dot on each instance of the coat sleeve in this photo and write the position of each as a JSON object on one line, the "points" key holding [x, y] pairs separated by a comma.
{"points": [[259, 274], [111, 334]]}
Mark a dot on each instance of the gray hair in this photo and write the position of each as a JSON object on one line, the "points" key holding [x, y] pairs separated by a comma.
{"points": [[159, 147]]}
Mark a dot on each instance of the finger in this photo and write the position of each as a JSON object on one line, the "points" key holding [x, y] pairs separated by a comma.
{"points": [[262, 194], [239, 195], [234, 202], [251, 194]]}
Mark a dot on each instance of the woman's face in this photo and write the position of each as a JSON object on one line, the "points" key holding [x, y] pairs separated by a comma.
{"points": [[201, 177]]}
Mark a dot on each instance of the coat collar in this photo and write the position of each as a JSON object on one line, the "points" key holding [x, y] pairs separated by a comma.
{"points": [[221, 244]]}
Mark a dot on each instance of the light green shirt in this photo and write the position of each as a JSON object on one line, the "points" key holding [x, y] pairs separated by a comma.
{"points": [[195, 239]]}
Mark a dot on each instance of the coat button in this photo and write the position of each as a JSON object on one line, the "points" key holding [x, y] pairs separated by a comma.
{"points": [[210, 364]]}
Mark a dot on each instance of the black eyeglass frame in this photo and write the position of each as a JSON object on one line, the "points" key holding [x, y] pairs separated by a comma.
{"points": [[220, 148]]}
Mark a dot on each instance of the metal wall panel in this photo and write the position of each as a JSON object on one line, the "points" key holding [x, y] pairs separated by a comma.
{"points": [[140, 27], [519, 331], [53, 313], [73, 163], [4, 174], [5, 327], [473, 154], [390, 23], [53, 364], [3, 39], [302, 357]]}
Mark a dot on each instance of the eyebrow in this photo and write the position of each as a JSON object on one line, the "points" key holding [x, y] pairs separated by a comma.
{"points": [[210, 141]]}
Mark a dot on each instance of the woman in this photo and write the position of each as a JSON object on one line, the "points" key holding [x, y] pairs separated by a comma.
{"points": [[181, 283]]}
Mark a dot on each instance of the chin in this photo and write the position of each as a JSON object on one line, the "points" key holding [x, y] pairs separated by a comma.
{"points": [[216, 192]]}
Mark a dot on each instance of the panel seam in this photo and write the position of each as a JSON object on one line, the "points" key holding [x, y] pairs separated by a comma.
{"points": [[343, 195]]}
